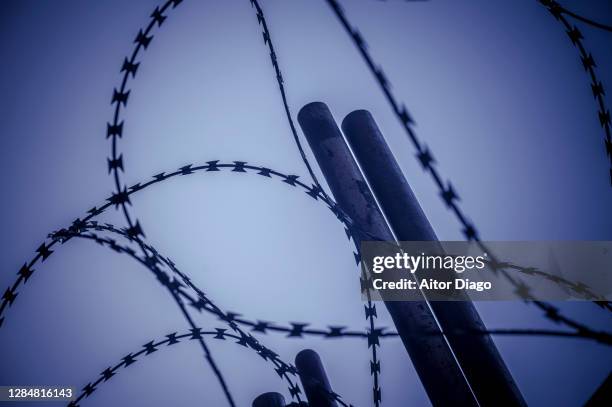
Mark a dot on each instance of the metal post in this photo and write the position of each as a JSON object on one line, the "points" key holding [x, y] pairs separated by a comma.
{"points": [[314, 379], [269, 400], [480, 360], [431, 355]]}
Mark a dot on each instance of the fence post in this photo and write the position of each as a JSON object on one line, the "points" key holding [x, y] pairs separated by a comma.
{"points": [[314, 379], [480, 360], [431, 355], [270, 399]]}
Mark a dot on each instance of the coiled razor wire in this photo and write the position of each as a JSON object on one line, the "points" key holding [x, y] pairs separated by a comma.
{"points": [[175, 338], [134, 230], [295, 330], [115, 130], [282, 368], [588, 62], [169, 340], [425, 157], [235, 168], [120, 98], [558, 9]]}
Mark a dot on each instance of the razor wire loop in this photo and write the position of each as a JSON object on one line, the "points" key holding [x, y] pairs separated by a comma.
{"points": [[120, 98], [175, 338], [588, 62], [425, 157], [555, 7], [297, 331], [237, 167], [121, 198], [261, 20], [300, 330], [115, 163], [152, 261], [171, 285]]}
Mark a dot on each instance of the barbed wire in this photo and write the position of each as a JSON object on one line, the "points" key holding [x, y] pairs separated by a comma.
{"points": [[175, 338], [300, 330], [152, 262], [129, 68], [370, 308], [234, 168], [558, 9], [116, 163], [588, 62], [120, 97], [134, 232], [425, 157], [172, 286], [197, 333]]}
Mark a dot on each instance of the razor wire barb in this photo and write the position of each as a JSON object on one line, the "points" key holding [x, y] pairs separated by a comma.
{"points": [[588, 62], [425, 157], [557, 9], [134, 230], [212, 167], [115, 130], [175, 338], [152, 261], [299, 330]]}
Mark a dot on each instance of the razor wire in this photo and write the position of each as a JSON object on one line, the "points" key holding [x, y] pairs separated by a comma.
{"points": [[234, 168], [426, 161], [175, 338], [115, 131], [588, 62], [152, 261], [121, 197], [297, 330], [116, 162], [425, 157], [120, 98], [555, 7], [370, 308], [171, 285], [169, 340], [197, 333]]}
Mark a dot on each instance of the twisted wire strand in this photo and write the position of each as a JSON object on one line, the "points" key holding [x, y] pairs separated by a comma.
{"points": [[129, 68], [197, 333], [238, 168], [425, 157], [267, 37], [152, 262], [171, 286], [116, 163], [588, 62], [299, 330], [169, 340], [562, 10]]}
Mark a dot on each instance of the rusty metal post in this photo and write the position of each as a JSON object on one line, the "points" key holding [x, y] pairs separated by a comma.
{"points": [[269, 400], [431, 355], [314, 379], [480, 360]]}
